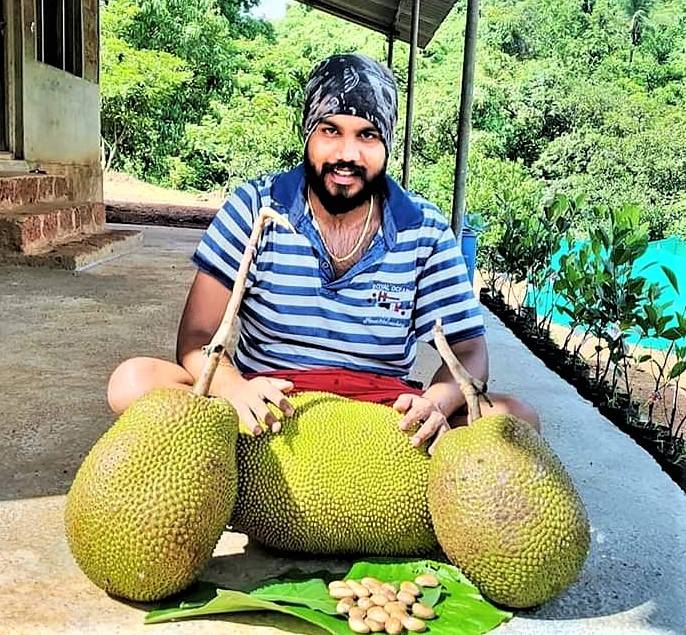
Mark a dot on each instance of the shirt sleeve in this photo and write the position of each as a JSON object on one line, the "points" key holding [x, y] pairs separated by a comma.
{"points": [[221, 248], [444, 291]]}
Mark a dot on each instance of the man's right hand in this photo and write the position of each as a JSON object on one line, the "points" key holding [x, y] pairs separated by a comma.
{"points": [[205, 307], [250, 398]]}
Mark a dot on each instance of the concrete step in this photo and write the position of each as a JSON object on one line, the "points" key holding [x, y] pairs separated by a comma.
{"points": [[81, 253], [17, 190], [30, 229]]}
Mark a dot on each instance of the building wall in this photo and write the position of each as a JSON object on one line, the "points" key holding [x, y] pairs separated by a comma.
{"points": [[61, 112], [61, 116]]}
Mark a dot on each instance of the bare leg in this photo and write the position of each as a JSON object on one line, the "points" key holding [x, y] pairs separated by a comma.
{"points": [[139, 375], [502, 404]]}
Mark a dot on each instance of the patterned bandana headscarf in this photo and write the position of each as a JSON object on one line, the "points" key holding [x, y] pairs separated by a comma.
{"points": [[352, 84]]}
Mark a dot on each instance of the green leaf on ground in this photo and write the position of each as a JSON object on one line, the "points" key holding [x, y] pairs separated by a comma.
{"points": [[236, 601], [460, 608], [312, 593]]}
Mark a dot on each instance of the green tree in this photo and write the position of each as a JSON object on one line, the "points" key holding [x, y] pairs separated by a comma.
{"points": [[638, 12], [162, 38], [138, 87]]}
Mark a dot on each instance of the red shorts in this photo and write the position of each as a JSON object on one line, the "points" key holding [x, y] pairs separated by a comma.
{"points": [[347, 383]]}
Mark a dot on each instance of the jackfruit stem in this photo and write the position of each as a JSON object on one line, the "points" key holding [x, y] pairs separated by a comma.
{"points": [[471, 387], [220, 342]]}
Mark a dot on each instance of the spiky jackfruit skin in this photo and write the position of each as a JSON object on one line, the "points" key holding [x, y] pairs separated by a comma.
{"points": [[340, 478], [151, 499], [506, 512]]}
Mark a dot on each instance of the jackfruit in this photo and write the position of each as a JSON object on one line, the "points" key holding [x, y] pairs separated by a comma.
{"points": [[340, 478], [152, 497], [506, 512]]}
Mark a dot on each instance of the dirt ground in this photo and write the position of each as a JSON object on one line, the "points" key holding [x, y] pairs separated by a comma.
{"points": [[641, 379], [134, 202], [118, 186]]}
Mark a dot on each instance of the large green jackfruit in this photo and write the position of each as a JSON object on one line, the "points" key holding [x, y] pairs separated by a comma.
{"points": [[339, 478], [154, 494], [506, 512]]}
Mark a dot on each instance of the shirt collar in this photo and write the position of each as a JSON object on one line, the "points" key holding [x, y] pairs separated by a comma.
{"points": [[400, 212]]}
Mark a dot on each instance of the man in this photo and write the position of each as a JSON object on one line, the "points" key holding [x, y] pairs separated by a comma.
{"points": [[340, 304]]}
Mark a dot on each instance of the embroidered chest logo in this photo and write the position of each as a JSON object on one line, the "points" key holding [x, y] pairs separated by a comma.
{"points": [[392, 297]]}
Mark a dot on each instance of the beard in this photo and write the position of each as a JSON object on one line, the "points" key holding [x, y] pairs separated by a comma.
{"points": [[342, 200]]}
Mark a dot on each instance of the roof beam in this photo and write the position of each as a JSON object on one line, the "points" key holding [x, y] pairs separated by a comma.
{"points": [[346, 14], [385, 16], [392, 33], [396, 15]]}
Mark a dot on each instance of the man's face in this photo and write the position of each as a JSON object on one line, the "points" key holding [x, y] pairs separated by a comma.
{"points": [[345, 162]]}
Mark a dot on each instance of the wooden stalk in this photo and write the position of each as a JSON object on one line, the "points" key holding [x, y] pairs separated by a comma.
{"points": [[217, 347], [471, 387]]}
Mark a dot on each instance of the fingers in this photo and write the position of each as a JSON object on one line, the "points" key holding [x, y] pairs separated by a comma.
{"points": [[403, 402], [260, 413], [246, 417], [264, 390], [411, 418], [254, 412], [272, 391], [421, 410], [434, 424], [284, 385]]}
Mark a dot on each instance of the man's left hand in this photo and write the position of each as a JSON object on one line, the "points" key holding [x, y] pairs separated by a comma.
{"points": [[419, 409]]}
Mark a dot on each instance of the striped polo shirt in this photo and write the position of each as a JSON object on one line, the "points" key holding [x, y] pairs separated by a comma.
{"points": [[297, 315]]}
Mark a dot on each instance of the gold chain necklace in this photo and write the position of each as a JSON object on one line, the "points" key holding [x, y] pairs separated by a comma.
{"points": [[360, 240]]}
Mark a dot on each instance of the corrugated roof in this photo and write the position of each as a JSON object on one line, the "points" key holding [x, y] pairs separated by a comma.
{"points": [[388, 16]]}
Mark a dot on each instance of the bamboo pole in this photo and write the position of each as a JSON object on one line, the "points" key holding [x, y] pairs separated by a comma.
{"points": [[219, 343], [471, 387]]}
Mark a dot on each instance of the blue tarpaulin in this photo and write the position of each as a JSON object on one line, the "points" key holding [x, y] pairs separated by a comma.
{"points": [[668, 252]]}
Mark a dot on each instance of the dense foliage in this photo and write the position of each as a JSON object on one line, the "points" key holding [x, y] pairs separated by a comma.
{"points": [[575, 96]]}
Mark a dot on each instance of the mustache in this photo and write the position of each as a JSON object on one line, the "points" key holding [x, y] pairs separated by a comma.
{"points": [[344, 165]]}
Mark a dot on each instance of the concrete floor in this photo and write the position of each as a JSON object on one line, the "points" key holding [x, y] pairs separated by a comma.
{"points": [[62, 334]]}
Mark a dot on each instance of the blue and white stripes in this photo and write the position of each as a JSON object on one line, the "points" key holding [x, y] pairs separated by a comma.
{"points": [[296, 315]]}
